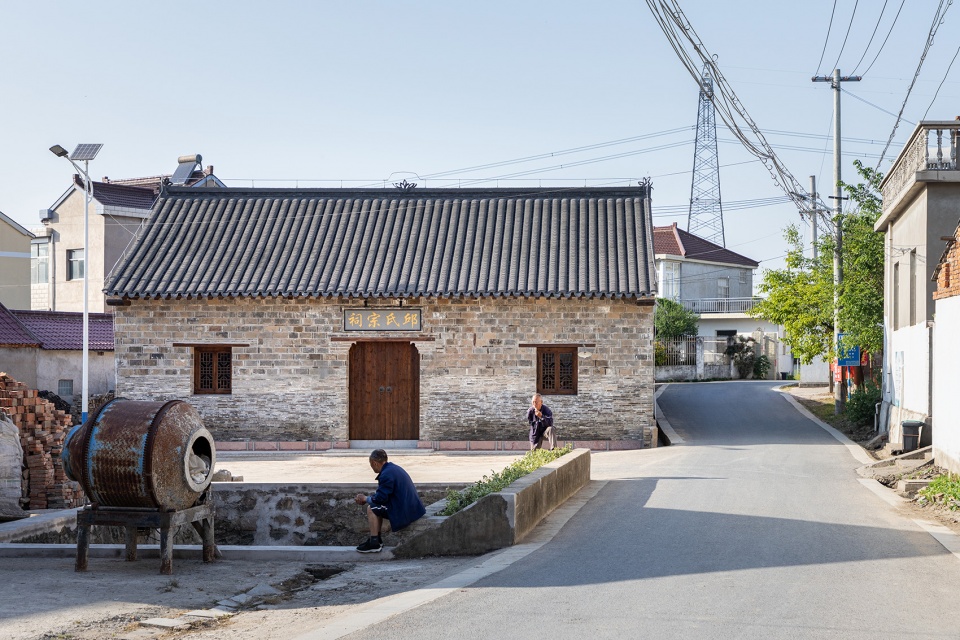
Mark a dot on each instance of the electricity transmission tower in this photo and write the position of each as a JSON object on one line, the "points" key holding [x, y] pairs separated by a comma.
{"points": [[705, 218]]}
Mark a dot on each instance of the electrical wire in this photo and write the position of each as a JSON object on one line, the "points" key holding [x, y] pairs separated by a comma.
{"points": [[827, 39], [884, 43], [940, 86], [937, 21], [853, 15], [872, 35], [878, 108], [680, 35]]}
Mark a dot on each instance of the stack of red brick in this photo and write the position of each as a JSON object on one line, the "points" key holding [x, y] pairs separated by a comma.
{"points": [[42, 432]]}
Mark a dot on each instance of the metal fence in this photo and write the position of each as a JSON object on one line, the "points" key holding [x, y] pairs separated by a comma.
{"points": [[673, 352]]}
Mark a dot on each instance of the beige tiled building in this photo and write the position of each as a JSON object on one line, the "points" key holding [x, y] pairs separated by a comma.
{"points": [[14, 264]]}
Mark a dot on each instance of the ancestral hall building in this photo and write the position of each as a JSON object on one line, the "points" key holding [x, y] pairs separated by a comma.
{"points": [[415, 317]]}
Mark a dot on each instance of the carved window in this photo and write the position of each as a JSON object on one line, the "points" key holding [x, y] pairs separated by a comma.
{"points": [[212, 369], [557, 370]]}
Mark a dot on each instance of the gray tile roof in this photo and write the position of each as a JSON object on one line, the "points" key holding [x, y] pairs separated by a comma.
{"points": [[118, 195], [392, 243]]}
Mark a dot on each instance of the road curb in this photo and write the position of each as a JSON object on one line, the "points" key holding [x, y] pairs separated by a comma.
{"points": [[662, 421]]}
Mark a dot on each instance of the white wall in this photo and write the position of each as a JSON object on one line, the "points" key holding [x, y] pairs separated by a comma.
{"points": [[815, 373], [946, 400], [746, 326]]}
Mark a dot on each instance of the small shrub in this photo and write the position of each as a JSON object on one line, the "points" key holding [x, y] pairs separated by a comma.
{"points": [[860, 406], [761, 367], [533, 460], [744, 355], [659, 354]]}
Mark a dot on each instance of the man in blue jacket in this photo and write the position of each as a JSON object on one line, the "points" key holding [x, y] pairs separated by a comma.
{"points": [[396, 500]]}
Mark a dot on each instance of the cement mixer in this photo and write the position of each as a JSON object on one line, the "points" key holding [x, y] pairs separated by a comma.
{"points": [[136, 454]]}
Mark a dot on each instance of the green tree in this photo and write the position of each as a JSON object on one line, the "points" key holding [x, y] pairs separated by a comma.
{"points": [[800, 296], [672, 320], [861, 294]]}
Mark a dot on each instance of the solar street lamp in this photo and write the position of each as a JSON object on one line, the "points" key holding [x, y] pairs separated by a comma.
{"points": [[83, 153]]}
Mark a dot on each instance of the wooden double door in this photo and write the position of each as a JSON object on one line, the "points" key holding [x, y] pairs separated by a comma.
{"points": [[384, 392]]}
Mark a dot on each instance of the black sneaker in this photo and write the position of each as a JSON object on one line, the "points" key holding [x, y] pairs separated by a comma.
{"points": [[372, 545]]}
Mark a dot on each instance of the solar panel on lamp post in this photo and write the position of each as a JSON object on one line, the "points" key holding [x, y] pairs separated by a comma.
{"points": [[83, 153]]}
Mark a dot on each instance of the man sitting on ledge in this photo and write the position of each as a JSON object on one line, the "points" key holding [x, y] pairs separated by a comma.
{"points": [[396, 500]]}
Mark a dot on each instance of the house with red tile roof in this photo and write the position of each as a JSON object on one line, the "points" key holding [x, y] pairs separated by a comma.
{"points": [[717, 284], [118, 208], [43, 349]]}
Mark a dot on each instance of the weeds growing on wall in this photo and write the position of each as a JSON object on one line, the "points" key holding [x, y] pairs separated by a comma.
{"points": [[497, 480]]}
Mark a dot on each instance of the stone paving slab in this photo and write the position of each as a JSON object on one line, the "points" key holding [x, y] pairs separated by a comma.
{"points": [[165, 623]]}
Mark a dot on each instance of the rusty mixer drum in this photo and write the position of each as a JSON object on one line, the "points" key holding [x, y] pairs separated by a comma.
{"points": [[134, 454]]}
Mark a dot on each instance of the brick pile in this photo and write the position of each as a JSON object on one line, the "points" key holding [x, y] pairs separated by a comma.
{"points": [[43, 429]]}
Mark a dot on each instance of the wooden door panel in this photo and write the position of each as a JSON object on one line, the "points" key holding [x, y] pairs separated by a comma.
{"points": [[384, 393]]}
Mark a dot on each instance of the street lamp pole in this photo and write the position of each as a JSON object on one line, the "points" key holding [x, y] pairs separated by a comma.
{"points": [[84, 153]]}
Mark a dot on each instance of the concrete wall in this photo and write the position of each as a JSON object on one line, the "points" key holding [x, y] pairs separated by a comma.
{"points": [[14, 267], [43, 369], [816, 373], [699, 280], [56, 365], [291, 382], [913, 247], [946, 400], [748, 326], [20, 363], [504, 518], [301, 514]]}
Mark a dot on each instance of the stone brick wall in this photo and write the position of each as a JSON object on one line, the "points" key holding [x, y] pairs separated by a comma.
{"points": [[290, 380]]}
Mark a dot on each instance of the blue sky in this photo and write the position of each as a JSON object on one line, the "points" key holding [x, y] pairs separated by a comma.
{"points": [[314, 93]]}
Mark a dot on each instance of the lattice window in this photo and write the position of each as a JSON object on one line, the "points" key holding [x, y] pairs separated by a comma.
{"points": [[213, 369], [557, 370]]}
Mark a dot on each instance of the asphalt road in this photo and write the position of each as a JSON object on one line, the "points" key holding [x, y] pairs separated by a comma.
{"points": [[756, 527]]}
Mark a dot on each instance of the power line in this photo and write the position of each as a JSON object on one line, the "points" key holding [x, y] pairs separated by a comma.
{"points": [[872, 35], [940, 86], [884, 43], [680, 35], [937, 21], [827, 39], [867, 102], [850, 26]]}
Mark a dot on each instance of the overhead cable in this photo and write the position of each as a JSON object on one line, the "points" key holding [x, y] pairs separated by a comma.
{"points": [[872, 35], [826, 39], [884, 43], [836, 65], [937, 21], [681, 36]]}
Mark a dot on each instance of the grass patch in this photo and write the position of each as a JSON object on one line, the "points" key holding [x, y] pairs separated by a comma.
{"points": [[497, 480], [943, 490]]}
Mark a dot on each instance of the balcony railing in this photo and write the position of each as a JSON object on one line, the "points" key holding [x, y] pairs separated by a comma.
{"points": [[932, 147], [720, 305]]}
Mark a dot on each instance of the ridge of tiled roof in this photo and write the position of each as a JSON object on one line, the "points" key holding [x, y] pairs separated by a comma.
{"points": [[154, 182], [391, 243], [119, 195], [671, 240], [63, 330], [13, 333]]}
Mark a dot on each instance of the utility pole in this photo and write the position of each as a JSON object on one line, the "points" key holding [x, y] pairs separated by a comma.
{"points": [[814, 217], [840, 396]]}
